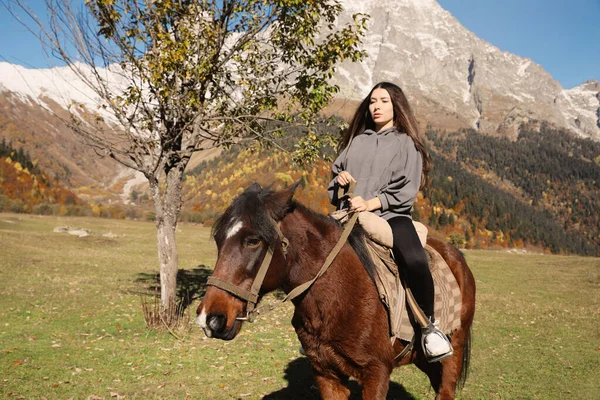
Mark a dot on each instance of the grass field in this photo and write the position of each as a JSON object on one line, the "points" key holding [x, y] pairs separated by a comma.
{"points": [[71, 324]]}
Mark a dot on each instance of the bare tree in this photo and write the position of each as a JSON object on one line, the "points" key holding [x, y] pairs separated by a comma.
{"points": [[178, 76]]}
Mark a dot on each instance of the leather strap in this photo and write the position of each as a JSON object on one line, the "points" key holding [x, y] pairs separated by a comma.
{"points": [[297, 291], [260, 277], [345, 191], [252, 296], [406, 349], [234, 290], [252, 312], [417, 311]]}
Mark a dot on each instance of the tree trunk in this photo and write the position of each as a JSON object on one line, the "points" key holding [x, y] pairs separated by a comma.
{"points": [[168, 258], [168, 206]]}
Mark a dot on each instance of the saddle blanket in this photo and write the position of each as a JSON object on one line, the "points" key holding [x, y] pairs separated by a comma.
{"points": [[448, 299]]}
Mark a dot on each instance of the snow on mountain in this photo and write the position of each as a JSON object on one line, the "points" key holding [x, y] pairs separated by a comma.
{"points": [[58, 84], [29, 101], [581, 108], [452, 77]]}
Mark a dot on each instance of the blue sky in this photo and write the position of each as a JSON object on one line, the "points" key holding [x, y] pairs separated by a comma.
{"points": [[562, 36]]}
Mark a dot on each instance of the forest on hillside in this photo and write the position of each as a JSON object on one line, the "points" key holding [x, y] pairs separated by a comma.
{"points": [[475, 200], [538, 192], [552, 174], [24, 188]]}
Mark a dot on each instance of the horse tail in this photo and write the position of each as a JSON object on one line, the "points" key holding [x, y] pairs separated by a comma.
{"points": [[466, 361]]}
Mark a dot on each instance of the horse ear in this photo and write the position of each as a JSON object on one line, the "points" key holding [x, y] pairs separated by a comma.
{"points": [[280, 202], [255, 187]]}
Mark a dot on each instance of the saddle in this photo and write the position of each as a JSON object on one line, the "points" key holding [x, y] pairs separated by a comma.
{"points": [[392, 292]]}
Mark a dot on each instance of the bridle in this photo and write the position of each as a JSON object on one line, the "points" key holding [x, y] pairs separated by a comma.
{"points": [[252, 296]]}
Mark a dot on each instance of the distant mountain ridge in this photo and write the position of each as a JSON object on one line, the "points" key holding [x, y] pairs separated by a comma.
{"points": [[32, 125], [453, 79]]}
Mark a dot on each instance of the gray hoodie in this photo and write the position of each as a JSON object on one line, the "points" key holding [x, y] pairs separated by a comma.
{"points": [[386, 165]]}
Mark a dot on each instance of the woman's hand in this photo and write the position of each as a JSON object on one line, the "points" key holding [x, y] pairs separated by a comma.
{"points": [[344, 178], [359, 204]]}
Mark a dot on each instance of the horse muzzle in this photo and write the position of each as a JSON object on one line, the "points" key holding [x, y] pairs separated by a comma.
{"points": [[214, 324], [216, 327]]}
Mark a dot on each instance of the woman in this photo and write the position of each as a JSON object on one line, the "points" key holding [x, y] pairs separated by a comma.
{"points": [[382, 152]]}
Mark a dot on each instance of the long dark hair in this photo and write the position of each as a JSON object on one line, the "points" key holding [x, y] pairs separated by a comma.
{"points": [[404, 121]]}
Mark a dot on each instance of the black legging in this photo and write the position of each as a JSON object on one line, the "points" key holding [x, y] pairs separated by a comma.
{"points": [[412, 262]]}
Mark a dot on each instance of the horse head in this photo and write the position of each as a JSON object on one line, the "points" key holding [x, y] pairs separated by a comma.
{"points": [[244, 234]]}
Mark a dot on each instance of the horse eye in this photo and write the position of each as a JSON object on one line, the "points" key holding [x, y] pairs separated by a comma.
{"points": [[252, 242]]}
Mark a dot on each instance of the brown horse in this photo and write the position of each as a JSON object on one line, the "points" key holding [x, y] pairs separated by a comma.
{"points": [[340, 320]]}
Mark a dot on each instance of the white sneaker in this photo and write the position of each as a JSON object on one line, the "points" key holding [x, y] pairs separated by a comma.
{"points": [[436, 345]]}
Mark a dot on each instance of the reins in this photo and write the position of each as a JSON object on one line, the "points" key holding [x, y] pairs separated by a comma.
{"points": [[252, 296]]}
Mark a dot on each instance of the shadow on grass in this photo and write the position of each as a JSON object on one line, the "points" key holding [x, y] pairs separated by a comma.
{"points": [[301, 385], [191, 285]]}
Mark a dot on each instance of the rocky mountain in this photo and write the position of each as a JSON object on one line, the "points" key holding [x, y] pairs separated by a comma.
{"points": [[456, 79], [453, 78], [32, 104]]}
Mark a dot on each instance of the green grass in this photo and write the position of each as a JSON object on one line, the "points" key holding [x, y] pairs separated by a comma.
{"points": [[71, 324]]}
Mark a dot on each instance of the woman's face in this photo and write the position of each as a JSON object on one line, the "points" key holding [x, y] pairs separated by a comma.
{"points": [[381, 109]]}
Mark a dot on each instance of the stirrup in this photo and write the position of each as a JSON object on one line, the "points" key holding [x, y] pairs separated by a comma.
{"points": [[432, 329]]}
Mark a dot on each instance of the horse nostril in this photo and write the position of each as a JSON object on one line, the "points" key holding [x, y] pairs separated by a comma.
{"points": [[216, 322]]}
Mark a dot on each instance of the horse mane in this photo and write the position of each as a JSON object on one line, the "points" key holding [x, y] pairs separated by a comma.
{"points": [[250, 206], [356, 238]]}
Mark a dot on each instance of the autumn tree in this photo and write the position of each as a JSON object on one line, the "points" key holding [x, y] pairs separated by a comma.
{"points": [[177, 76]]}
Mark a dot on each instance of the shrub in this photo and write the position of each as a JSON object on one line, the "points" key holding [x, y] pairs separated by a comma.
{"points": [[456, 239], [46, 209]]}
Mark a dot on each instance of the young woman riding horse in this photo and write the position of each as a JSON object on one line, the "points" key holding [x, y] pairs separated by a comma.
{"points": [[383, 154], [340, 320]]}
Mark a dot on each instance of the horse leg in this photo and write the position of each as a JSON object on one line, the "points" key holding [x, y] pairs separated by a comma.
{"points": [[433, 371], [376, 382], [332, 387], [444, 375]]}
